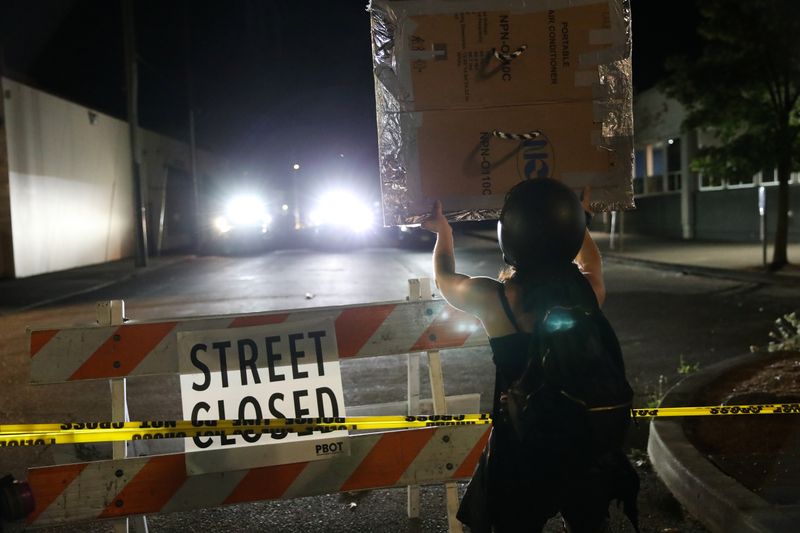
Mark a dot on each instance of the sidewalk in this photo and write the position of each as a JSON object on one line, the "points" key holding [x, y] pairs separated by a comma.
{"points": [[730, 260], [34, 291], [733, 260]]}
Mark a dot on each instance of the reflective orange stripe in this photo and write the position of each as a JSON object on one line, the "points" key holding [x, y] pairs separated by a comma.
{"points": [[468, 465], [388, 459], [48, 483], [123, 351], [40, 338], [265, 483], [444, 332], [150, 489], [258, 320], [354, 327]]}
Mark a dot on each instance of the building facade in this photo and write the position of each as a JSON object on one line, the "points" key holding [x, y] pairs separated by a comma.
{"points": [[672, 201]]}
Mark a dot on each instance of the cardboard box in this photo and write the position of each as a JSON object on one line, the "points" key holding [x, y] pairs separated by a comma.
{"points": [[452, 61], [441, 92]]}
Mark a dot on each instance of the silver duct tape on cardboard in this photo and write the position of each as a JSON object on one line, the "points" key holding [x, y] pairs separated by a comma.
{"points": [[439, 94]]}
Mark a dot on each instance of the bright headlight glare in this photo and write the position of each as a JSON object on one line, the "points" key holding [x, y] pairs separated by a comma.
{"points": [[222, 224], [246, 210], [340, 208]]}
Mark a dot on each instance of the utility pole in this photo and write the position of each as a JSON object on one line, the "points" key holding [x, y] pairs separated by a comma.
{"points": [[196, 230], [132, 78]]}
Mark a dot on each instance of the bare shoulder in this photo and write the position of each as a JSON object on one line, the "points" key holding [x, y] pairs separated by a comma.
{"points": [[484, 284], [473, 294]]}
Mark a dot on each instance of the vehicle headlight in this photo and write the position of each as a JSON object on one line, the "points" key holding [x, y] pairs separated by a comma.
{"points": [[247, 210], [222, 224], [342, 209]]}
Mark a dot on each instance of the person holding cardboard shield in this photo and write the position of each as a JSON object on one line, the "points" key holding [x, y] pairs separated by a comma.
{"points": [[562, 402]]}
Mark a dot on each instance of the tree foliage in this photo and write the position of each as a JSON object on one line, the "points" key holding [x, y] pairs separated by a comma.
{"points": [[744, 87]]}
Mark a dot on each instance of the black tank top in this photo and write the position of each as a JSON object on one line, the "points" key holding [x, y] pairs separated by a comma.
{"points": [[568, 288], [509, 354]]}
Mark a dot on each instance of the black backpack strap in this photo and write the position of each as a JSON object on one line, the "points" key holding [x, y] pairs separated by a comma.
{"points": [[507, 307]]}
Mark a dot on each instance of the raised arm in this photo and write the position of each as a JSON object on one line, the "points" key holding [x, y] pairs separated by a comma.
{"points": [[461, 291], [588, 259]]}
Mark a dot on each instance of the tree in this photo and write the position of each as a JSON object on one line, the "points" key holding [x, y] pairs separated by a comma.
{"points": [[744, 87]]}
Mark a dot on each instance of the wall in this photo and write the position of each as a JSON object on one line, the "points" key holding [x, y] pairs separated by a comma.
{"points": [[656, 215], [732, 214], [70, 187], [69, 183], [725, 215], [163, 159]]}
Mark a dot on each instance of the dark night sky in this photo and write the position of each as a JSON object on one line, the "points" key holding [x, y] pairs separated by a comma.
{"points": [[274, 81]]}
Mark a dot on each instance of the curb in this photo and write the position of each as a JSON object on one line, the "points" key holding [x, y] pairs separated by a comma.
{"points": [[717, 500], [710, 272]]}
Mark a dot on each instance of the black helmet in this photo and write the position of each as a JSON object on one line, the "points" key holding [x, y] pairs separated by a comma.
{"points": [[542, 224]]}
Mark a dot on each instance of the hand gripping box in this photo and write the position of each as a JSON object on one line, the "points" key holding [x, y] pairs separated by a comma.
{"points": [[474, 96]]}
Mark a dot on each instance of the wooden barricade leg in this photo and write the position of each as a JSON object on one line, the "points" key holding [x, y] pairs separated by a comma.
{"points": [[412, 505], [412, 491], [421, 289], [439, 408], [437, 393], [112, 313]]}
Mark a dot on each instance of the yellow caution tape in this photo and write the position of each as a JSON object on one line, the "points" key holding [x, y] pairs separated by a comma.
{"points": [[83, 432], [761, 409]]}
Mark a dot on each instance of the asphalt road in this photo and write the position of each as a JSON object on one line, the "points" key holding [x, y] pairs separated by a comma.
{"points": [[667, 322]]}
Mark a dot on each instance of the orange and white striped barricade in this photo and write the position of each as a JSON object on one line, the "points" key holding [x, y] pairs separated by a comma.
{"points": [[143, 485], [143, 348], [120, 487]]}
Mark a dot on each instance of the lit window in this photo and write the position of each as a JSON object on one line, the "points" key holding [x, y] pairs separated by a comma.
{"points": [[639, 170], [658, 160], [657, 168], [640, 163]]}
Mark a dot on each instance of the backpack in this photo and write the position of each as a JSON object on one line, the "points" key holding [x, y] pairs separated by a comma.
{"points": [[574, 367]]}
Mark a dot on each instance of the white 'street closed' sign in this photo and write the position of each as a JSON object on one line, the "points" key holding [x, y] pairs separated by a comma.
{"points": [[287, 370]]}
